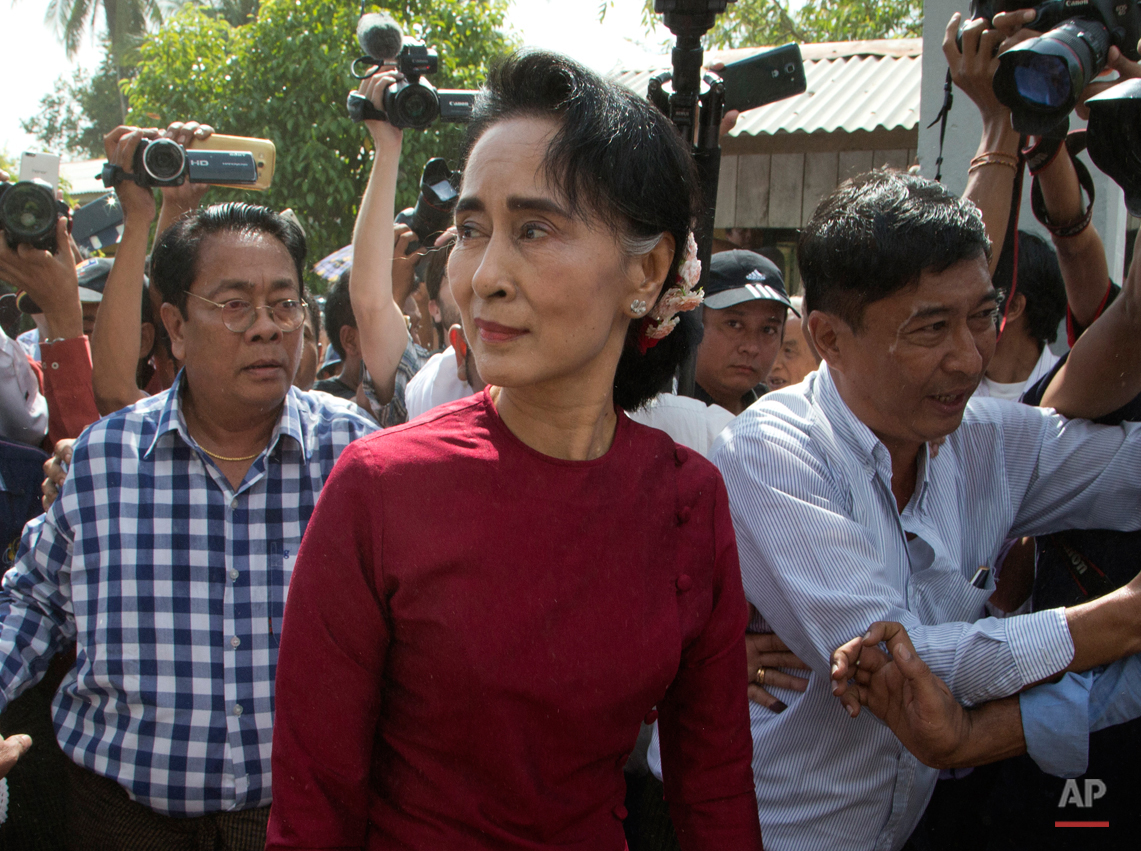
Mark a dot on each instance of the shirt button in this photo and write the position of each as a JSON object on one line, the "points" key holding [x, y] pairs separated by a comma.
{"points": [[651, 717], [684, 583], [234, 502], [683, 515], [235, 641], [237, 709], [681, 455], [234, 573], [620, 812]]}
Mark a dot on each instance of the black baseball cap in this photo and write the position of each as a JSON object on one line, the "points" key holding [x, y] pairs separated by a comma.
{"points": [[739, 276], [92, 276]]}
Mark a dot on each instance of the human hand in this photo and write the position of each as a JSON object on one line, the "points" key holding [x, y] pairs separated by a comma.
{"points": [[138, 203], [973, 66], [386, 137], [764, 654], [1126, 69], [404, 263], [900, 690], [49, 279], [55, 470], [11, 749], [188, 195]]}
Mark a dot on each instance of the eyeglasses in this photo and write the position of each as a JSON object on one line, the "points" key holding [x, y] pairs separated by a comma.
{"points": [[239, 315]]}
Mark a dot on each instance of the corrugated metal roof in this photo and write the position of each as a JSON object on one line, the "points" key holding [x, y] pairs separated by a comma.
{"points": [[852, 86]]}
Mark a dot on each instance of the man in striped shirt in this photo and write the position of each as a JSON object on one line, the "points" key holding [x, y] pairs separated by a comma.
{"points": [[877, 528], [168, 554]]}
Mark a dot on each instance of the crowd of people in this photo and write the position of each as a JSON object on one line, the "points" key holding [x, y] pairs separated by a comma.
{"points": [[452, 564]]}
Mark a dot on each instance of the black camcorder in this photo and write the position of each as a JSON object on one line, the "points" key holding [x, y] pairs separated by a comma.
{"points": [[164, 162], [1041, 79], [28, 214], [434, 205], [411, 102]]}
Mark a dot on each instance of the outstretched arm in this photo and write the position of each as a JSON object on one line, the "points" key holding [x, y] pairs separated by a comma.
{"points": [[383, 333], [118, 325]]}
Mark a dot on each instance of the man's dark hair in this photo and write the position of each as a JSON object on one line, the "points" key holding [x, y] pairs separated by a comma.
{"points": [[615, 156], [174, 261], [876, 234], [314, 316], [339, 312], [1039, 280]]}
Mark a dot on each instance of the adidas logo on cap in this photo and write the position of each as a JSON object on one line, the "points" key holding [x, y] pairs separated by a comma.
{"points": [[755, 275]]}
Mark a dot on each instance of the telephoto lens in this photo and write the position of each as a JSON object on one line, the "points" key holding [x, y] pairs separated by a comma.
{"points": [[28, 213], [160, 162], [1041, 79], [436, 202]]}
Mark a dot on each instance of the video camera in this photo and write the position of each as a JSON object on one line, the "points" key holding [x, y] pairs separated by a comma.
{"points": [[413, 101], [1041, 79], [28, 214], [164, 162]]}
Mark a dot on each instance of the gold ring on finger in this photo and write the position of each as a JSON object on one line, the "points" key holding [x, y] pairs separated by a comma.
{"points": [[760, 676]]}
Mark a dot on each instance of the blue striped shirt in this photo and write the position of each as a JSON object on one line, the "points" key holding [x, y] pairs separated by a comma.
{"points": [[172, 583], [824, 553]]}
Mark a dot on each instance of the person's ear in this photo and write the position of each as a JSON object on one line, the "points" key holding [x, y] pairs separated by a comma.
{"points": [[350, 341], [175, 324], [653, 266], [827, 334], [435, 312], [1017, 307], [458, 343], [146, 340]]}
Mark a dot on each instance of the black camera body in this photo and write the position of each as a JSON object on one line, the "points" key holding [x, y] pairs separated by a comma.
{"points": [[28, 214], [164, 162], [413, 102], [1041, 79], [435, 204]]}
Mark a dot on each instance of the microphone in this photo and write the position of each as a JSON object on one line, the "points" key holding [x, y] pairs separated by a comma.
{"points": [[380, 37]]}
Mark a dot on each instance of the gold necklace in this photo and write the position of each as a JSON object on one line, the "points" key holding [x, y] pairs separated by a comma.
{"points": [[224, 458]]}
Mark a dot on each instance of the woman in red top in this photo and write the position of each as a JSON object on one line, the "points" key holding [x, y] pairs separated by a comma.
{"points": [[491, 598]]}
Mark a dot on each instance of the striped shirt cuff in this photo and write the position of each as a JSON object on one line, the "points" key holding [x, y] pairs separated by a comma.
{"points": [[1040, 643]]}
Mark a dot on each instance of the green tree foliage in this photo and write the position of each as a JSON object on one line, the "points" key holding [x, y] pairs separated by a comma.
{"points": [[78, 112], [749, 23], [286, 77]]}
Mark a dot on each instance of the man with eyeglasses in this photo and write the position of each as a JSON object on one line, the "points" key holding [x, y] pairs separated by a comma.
{"points": [[168, 554]]}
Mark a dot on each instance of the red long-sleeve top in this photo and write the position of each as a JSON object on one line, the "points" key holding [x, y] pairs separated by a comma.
{"points": [[475, 630]]}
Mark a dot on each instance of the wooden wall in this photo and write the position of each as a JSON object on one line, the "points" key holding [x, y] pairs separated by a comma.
{"points": [[780, 190]]}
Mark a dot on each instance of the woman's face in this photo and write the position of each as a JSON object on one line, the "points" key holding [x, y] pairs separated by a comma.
{"points": [[545, 296]]}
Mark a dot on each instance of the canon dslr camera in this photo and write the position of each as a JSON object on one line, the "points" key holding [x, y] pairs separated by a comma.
{"points": [[1041, 79], [28, 214]]}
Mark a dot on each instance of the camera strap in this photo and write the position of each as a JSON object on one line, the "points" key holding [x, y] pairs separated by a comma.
{"points": [[941, 120], [113, 175], [1046, 148], [1012, 234], [1075, 143]]}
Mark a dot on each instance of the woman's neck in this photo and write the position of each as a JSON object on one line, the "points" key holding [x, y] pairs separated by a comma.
{"points": [[559, 425], [1014, 358]]}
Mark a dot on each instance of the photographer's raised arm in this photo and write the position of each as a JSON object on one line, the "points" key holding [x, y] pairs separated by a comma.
{"points": [[177, 200], [990, 181], [114, 360], [1103, 371], [383, 333]]}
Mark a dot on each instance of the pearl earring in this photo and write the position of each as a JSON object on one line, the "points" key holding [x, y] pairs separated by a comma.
{"points": [[638, 307]]}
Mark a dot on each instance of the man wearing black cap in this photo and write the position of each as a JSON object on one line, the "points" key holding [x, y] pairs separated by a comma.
{"points": [[744, 312]]}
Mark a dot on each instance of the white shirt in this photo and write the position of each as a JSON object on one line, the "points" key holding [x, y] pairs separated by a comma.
{"points": [[437, 383], [824, 554], [1013, 392], [689, 422], [23, 411]]}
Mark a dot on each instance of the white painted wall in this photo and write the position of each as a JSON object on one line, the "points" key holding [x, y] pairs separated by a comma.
{"points": [[964, 128]]}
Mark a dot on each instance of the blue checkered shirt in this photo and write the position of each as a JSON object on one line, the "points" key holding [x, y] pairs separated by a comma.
{"points": [[173, 585]]}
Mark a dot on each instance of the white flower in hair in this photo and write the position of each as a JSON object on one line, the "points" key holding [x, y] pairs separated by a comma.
{"points": [[677, 299]]}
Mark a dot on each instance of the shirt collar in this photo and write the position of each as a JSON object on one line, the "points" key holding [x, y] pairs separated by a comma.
{"points": [[859, 440], [171, 419]]}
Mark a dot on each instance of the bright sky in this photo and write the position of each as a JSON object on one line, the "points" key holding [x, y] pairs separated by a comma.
{"points": [[31, 59]]}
